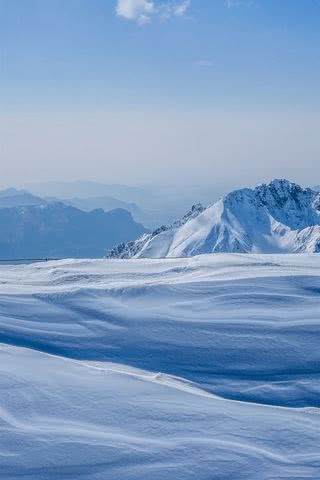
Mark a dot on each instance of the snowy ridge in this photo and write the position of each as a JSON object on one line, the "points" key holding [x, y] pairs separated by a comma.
{"points": [[280, 217], [132, 249]]}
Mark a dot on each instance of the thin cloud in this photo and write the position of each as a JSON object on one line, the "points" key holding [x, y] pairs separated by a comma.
{"points": [[204, 63], [238, 3], [181, 8], [143, 11]]}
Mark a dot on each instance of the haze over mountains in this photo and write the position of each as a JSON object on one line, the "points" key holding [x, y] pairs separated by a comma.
{"points": [[150, 205], [280, 217], [58, 230], [11, 197]]}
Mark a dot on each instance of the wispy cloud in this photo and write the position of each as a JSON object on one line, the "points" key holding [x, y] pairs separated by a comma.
{"points": [[204, 63], [238, 3], [181, 8], [142, 11]]}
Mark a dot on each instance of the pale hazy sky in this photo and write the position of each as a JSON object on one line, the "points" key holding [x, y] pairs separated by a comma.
{"points": [[140, 91]]}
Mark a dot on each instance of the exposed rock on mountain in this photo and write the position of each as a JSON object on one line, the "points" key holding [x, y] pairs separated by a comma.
{"points": [[271, 218]]}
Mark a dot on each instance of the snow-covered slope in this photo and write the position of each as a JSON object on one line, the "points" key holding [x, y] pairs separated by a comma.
{"points": [[240, 326], [63, 419], [204, 367], [280, 217]]}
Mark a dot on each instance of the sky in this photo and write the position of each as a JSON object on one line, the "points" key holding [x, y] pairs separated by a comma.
{"points": [[213, 92]]}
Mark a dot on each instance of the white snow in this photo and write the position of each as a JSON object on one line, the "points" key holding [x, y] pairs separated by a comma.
{"points": [[280, 217], [204, 367]]}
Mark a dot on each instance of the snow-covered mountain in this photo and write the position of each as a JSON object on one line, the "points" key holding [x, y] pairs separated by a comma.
{"points": [[271, 218]]}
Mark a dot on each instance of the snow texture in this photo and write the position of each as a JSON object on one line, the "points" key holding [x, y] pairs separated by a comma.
{"points": [[204, 367]]}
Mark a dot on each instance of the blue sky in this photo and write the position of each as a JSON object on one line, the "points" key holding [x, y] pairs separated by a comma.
{"points": [[69, 59], [259, 52]]}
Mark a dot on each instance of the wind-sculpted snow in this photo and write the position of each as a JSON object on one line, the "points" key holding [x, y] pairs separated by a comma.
{"points": [[65, 419], [241, 326], [204, 367]]}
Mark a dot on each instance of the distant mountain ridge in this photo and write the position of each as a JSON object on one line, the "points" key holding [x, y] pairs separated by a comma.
{"points": [[58, 230], [11, 197], [151, 205], [107, 204], [271, 218]]}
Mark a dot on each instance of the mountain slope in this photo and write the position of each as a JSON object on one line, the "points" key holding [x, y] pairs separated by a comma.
{"points": [[280, 217], [57, 230]]}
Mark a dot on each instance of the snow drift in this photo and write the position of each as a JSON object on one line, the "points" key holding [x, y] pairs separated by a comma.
{"points": [[204, 367], [240, 326], [65, 419]]}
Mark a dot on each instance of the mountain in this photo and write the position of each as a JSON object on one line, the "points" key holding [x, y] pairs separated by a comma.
{"points": [[107, 204], [158, 237], [151, 205], [12, 197], [58, 230], [271, 218], [149, 218]]}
